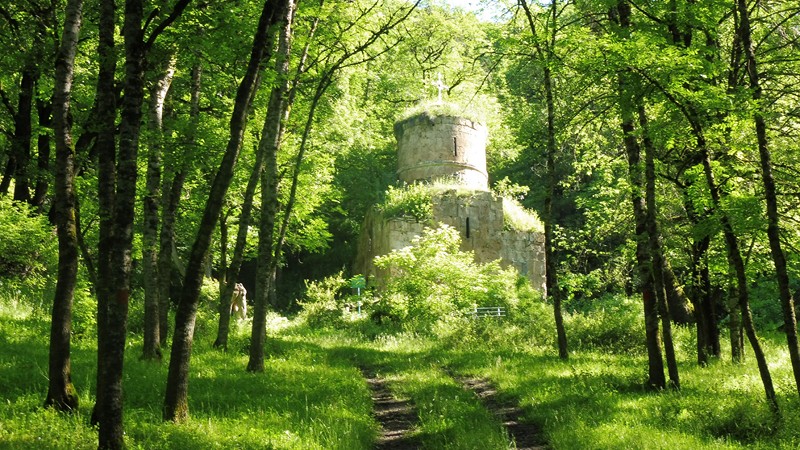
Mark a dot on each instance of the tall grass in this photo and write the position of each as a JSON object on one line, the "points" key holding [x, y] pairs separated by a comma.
{"points": [[313, 396], [302, 400]]}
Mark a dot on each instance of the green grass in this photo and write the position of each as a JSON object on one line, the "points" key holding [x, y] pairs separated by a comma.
{"points": [[313, 396], [302, 400], [433, 108]]}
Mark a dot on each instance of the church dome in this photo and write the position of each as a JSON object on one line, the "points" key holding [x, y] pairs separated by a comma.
{"points": [[442, 148]]}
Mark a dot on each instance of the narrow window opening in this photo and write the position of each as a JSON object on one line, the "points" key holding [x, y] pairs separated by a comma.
{"points": [[455, 147], [467, 227]]}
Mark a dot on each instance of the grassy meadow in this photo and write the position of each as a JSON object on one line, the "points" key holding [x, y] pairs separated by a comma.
{"points": [[313, 395]]}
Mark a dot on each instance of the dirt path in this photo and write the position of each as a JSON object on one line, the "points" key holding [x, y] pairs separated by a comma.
{"points": [[526, 436], [397, 417]]}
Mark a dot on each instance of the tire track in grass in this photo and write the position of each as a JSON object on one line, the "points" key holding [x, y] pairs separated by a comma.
{"points": [[525, 435], [398, 418]]}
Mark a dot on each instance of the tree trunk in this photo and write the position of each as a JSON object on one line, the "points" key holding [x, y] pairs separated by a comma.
{"points": [[655, 378], [106, 180], [61, 393], [773, 221], [171, 194], [705, 313], [245, 216], [551, 260], [176, 406], [735, 323], [223, 249], [44, 111], [654, 241], [269, 145], [736, 262], [111, 358], [545, 56], [23, 128], [152, 339]]}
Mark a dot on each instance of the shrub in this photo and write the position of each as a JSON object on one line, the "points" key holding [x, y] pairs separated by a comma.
{"points": [[324, 305], [517, 218], [613, 323], [433, 282], [84, 311], [413, 201], [433, 108], [29, 242]]}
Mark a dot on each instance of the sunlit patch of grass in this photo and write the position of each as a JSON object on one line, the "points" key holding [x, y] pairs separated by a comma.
{"points": [[597, 400], [302, 400]]}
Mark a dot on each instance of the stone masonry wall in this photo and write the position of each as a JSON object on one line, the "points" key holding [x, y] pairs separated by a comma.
{"points": [[477, 215], [442, 147]]}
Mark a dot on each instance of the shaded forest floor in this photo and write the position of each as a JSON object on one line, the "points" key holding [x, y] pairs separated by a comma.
{"points": [[322, 388]]}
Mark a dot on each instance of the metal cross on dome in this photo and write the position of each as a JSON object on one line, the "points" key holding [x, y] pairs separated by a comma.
{"points": [[439, 84]]}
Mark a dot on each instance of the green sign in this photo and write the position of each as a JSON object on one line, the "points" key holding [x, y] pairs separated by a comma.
{"points": [[358, 282]]}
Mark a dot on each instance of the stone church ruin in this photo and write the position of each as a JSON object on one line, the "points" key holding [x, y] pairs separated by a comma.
{"points": [[449, 154]]}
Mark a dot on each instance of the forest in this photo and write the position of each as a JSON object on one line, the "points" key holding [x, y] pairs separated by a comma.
{"points": [[160, 160]]}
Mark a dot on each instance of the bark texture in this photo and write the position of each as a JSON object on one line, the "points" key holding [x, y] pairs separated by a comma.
{"points": [[61, 393], [106, 180]]}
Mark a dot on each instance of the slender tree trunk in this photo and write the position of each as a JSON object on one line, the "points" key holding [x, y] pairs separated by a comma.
{"points": [[708, 344], [735, 260], [176, 406], [245, 216], [655, 378], [171, 194], [773, 221], [269, 145], [106, 180], [44, 110], [551, 260], [23, 128], [152, 339], [735, 323], [654, 241], [223, 249], [545, 56], [61, 393], [704, 305]]}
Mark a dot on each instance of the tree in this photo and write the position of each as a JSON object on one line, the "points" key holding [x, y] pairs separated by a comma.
{"points": [[269, 145], [544, 48], [765, 157], [627, 86], [152, 291], [176, 407], [61, 393]]}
